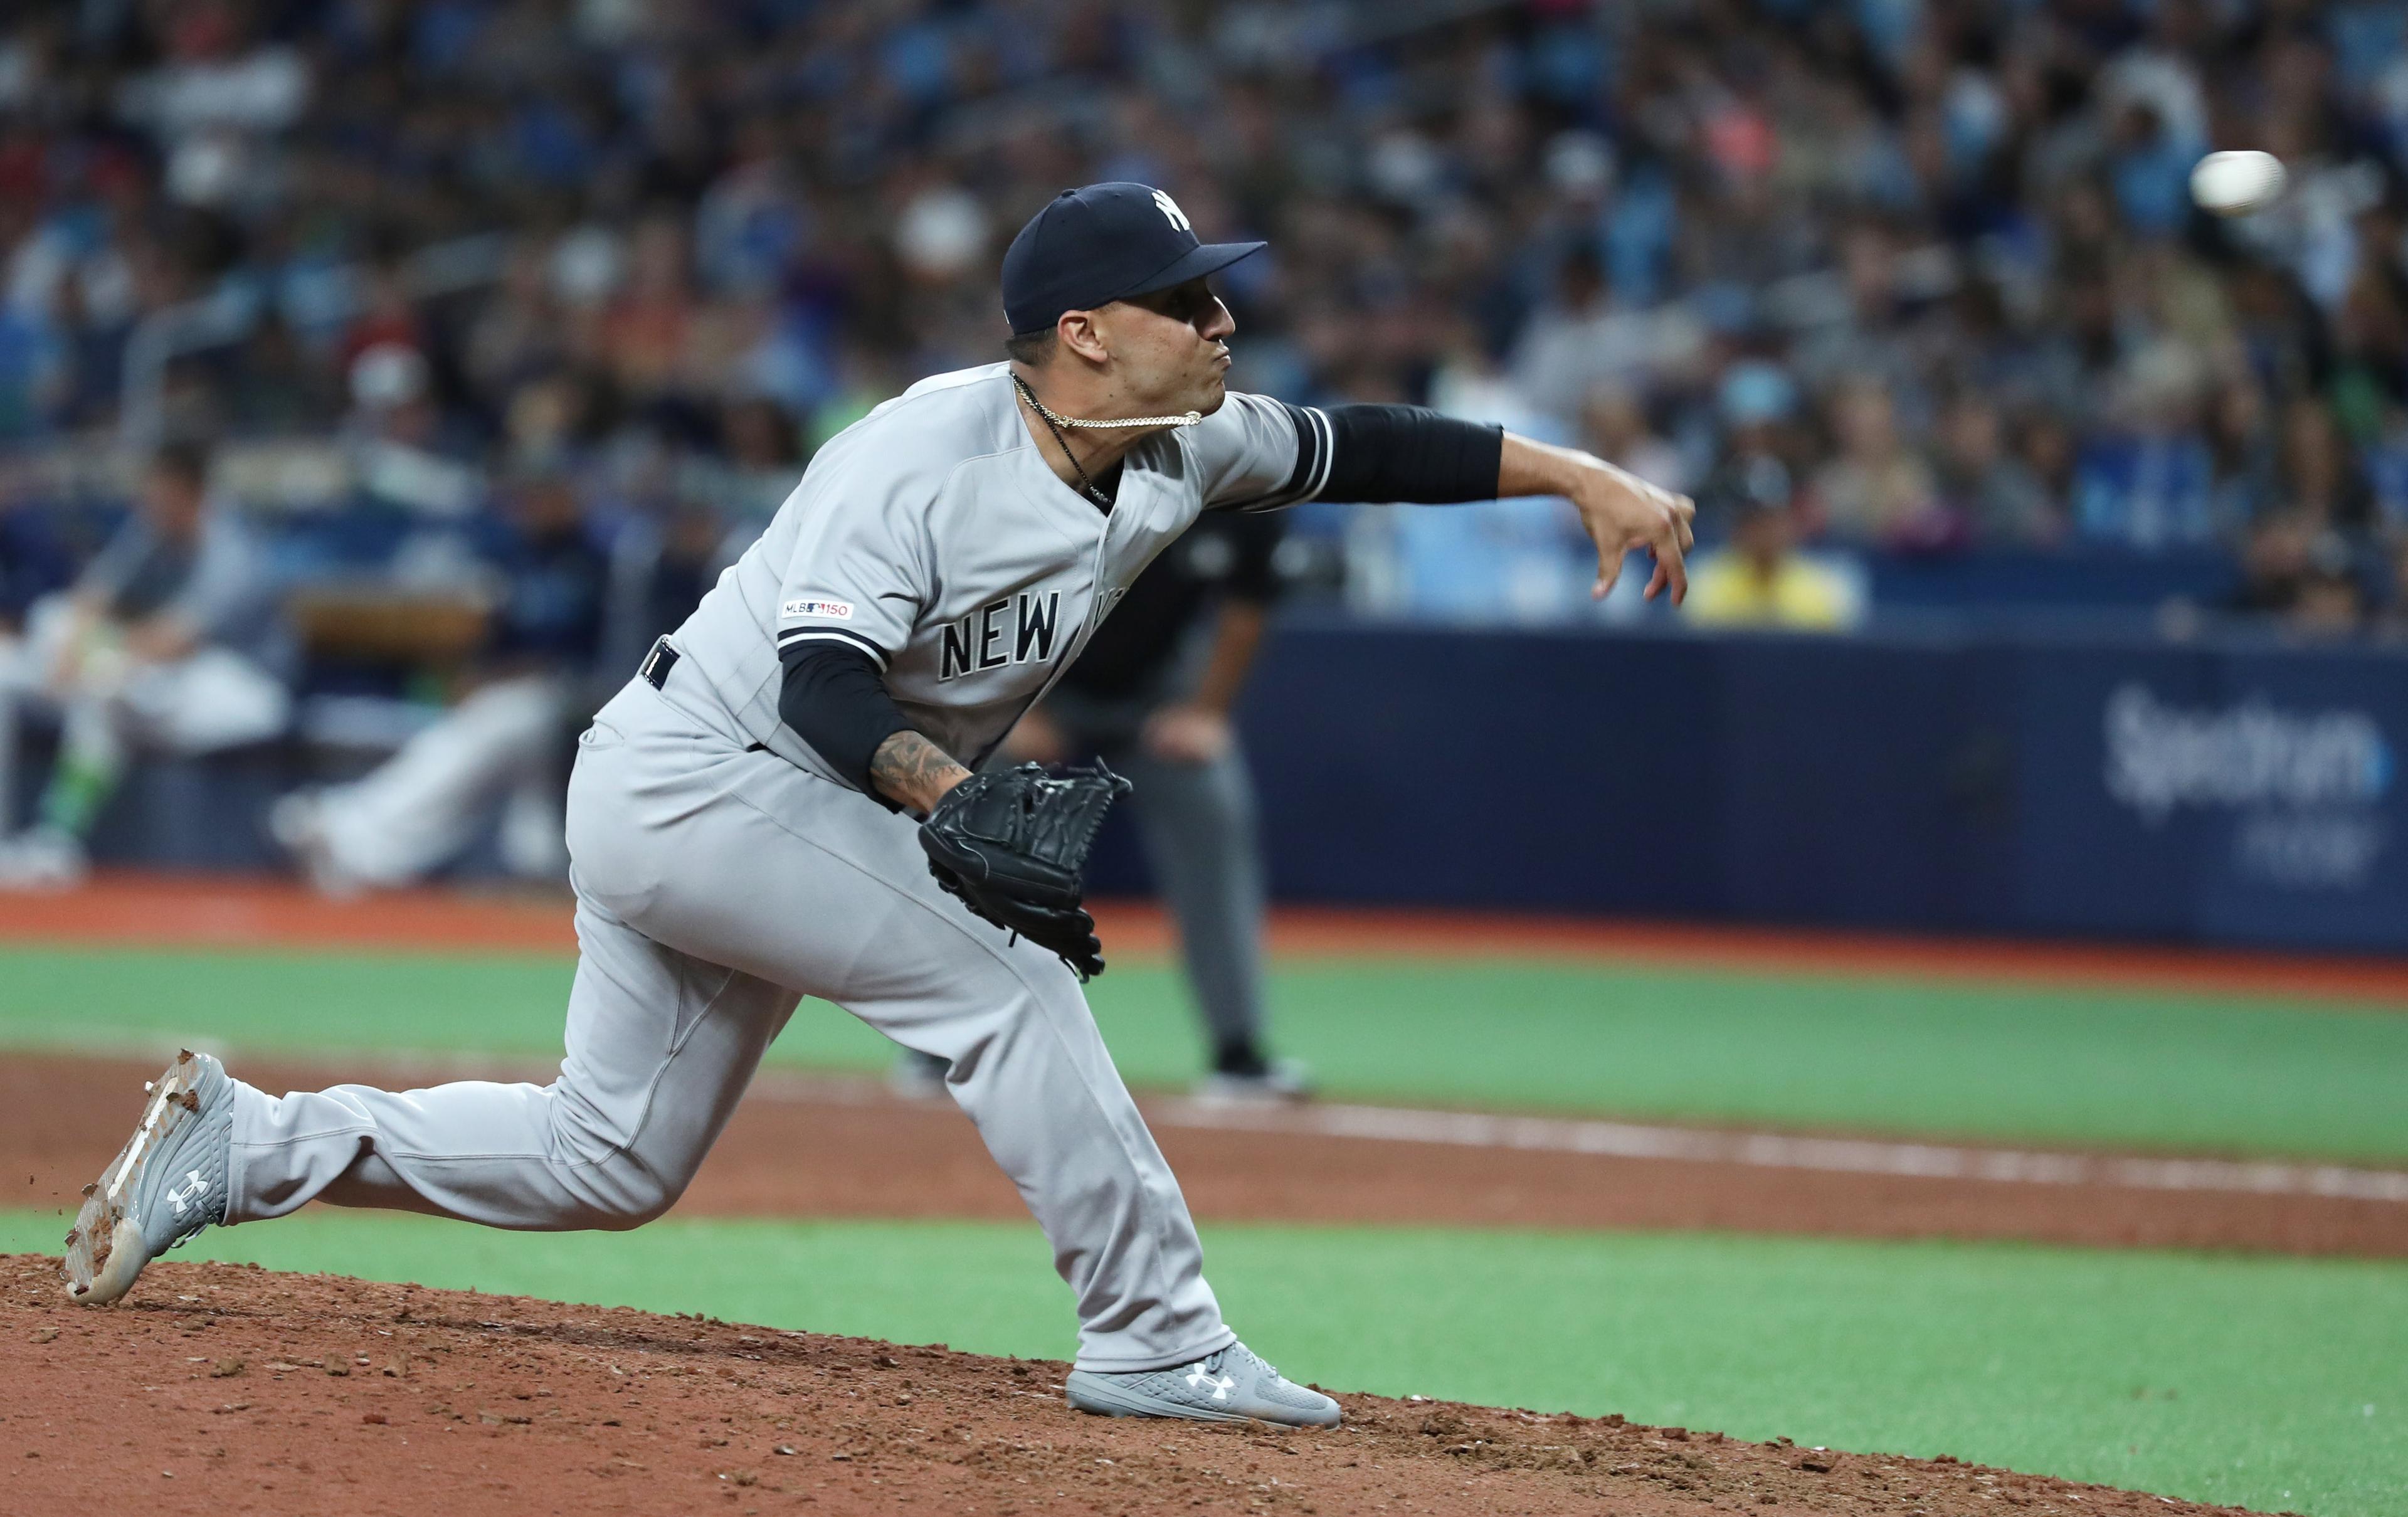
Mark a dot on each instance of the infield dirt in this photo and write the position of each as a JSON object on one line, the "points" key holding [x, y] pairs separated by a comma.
{"points": [[231, 1389], [802, 1146]]}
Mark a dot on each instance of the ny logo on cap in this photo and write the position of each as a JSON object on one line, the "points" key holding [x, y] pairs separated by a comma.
{"points": [[1171, 211]]}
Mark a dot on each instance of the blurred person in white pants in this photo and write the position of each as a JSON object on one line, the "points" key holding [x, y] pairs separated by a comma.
{"points": [[504, 746], [168, 643]]}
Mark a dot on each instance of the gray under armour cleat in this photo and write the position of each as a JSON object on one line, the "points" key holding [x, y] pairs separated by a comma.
{"points": [[1279, 1082], [168, 1182], [1231, 1386]]}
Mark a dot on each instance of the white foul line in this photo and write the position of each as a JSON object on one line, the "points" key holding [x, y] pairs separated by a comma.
{"points": [[1761, 1151], [1771, 1150]]}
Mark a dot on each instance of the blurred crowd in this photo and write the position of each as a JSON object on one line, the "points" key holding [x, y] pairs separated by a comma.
{"points": [[1923, 276], [1874, 280]]}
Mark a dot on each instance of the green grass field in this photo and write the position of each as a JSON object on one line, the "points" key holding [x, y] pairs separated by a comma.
{"points": [[2120, 1069], [2278, 1383]]}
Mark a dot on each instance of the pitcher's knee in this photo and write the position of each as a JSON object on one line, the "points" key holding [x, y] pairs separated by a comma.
{"points": [[620, 1195], [611, 1185]]}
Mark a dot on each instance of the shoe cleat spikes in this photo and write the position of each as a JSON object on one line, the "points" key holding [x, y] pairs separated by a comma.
{"points": [[165, 1184]]}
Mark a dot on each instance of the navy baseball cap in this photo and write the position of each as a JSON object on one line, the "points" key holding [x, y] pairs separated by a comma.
{"points": [[1106, 242]]}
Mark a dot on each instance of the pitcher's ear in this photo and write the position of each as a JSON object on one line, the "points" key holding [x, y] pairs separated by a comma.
{"points": [[1080, 333]]}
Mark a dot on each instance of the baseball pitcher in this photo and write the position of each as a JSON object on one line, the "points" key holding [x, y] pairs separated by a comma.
{"points": [[782, 804]]}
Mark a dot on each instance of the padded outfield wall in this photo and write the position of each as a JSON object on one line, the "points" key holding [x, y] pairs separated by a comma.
{"points": [[2222, 789]]}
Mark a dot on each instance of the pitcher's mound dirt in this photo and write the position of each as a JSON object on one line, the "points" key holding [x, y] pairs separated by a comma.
{"points": [[227, 1389]]}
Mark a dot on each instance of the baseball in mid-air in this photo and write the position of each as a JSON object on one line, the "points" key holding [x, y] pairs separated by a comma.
{"points": [[2236, 183]]}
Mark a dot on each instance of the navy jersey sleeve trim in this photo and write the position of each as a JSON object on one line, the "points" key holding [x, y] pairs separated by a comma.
{"points": [[1311, 472]]}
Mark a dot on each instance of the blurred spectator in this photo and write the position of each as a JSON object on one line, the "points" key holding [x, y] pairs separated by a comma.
{"points": [[1984, 490], [1757, 400], [2320, 474], [648, 332], [1613, 425], [1876, 490], [660, 570], [760, 458], [1582, 337], [2243, 481], [2331, 601], [270, 386], [504, 745], [2393, 623], [403, 449], [2047, 450], [2304, 577], [167, 643], [2151, 167], [521, 334], [2145, 480], [1760, 580], [2275, 565]]}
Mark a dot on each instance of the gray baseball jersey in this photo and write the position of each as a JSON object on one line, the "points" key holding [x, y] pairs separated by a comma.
{"points": [[932, 535]]}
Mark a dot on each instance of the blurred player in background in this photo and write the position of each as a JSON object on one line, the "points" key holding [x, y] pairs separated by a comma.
{"points": [[505, 744], [168, 643], [1152, 696]]}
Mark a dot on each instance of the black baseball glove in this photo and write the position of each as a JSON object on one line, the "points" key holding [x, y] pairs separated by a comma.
{"points": [[1013, 844]]}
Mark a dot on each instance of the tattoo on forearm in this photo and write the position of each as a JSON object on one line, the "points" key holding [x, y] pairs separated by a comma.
{"points": [[911, 769]]}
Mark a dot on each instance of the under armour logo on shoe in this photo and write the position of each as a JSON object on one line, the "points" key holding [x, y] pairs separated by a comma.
{"points": [[1222, 1384], [193, 1188]]}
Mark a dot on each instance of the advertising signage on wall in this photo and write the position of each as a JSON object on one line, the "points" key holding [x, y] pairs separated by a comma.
{"points": [[2244, 792], [2304, 789]]}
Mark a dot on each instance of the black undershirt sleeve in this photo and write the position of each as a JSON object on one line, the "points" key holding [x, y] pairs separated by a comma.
{"points": [[836, 700], [1410, 453]]}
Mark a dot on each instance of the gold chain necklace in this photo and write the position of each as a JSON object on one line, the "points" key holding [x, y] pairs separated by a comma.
{"points": [[1055, 420]]}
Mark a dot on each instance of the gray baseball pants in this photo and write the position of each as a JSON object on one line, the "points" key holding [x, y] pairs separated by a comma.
{"points": [[714, 887]]}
